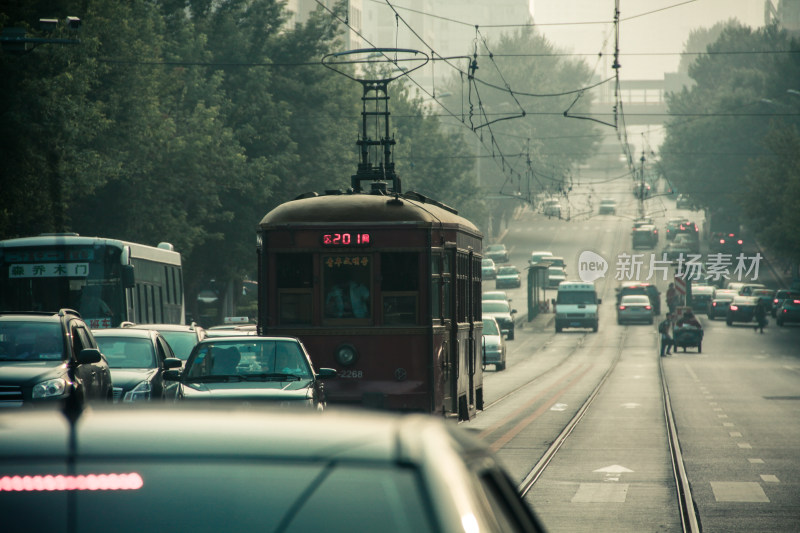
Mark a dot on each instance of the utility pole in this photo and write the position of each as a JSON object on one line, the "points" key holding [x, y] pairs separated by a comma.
{"points": [[641, 187]]}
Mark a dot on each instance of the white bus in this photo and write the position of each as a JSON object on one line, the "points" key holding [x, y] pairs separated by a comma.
{"points": [[107, 280]]}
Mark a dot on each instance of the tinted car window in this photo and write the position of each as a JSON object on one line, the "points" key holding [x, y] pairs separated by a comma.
{"points": [[247, 496], [181, 342], [24, 341]]}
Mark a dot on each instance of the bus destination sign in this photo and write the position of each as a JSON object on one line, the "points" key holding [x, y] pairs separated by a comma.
{"points": [[346, 239]]}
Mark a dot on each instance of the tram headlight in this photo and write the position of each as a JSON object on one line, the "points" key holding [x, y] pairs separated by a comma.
{"points": [[346, 354]]}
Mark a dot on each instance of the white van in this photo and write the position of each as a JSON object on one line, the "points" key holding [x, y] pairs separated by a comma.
{"points": [[577, 306]]}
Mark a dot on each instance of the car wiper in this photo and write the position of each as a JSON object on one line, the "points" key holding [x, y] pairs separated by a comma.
{"points": [[272, 376], [215, 379]]}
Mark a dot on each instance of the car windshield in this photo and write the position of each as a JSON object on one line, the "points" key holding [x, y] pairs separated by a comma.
{"points": [[257, 495], [31, 341], [490, 327], [507, 271], [495, 248], [261, 359], [495, 296], [495, 307], [127, 352], [576, 297], [487, 262]]}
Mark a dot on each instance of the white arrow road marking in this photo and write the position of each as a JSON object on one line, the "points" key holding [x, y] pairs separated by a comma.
{"points": [[614, 469]]}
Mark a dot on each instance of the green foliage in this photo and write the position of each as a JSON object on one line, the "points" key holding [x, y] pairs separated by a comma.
{"points": [[720, 143]]}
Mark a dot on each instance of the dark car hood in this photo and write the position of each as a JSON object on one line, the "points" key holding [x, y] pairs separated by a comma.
{"points": [[30, 372], [248, 390], [127, 378]]}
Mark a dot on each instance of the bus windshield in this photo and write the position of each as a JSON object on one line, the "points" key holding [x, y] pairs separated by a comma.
{"points": [[82, 277]]}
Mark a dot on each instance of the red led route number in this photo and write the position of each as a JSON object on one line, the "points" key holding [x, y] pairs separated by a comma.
{"points": [[346, 239]]}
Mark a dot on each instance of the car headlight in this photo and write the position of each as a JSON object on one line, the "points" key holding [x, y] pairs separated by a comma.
{"points": [[50, 388], [139, 392]]}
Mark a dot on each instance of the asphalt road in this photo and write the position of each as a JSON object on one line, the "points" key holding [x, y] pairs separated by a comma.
{"points": [[736, 404]]}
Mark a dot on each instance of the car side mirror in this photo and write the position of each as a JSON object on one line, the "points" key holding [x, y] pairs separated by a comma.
{"points": [[172, 375], [172, 362], [326, 373], [513, 311], [89, 356], [599, 301]]}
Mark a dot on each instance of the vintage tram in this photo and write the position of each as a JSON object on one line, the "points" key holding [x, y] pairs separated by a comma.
{"points": [[384, 288]]}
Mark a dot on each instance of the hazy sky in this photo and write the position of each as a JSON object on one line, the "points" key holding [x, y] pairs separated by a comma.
{"points": [[653, 27]]}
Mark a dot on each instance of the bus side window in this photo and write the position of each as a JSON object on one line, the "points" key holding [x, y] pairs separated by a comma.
{"points": [[400, 287]]}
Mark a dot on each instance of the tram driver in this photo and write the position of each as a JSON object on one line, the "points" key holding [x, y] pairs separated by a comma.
{"points": [[347, 299]]}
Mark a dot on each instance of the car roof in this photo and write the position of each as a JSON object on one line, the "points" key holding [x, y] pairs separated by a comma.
{"points": [[124, 332], [165, 327]]}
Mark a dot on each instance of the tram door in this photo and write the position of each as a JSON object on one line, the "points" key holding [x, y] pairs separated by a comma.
{"points": [[449, 346]]}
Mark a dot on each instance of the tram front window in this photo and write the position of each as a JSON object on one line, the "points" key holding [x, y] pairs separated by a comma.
{"points": [[346, 280]]}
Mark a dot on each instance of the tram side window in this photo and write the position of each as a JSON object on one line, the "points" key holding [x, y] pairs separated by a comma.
{"points": [[447, 286], [346, 281], [294, 275], [436, 286], [400, 287]]}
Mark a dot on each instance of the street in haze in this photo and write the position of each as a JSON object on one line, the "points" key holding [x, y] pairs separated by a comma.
{"points": [[736, 404]]}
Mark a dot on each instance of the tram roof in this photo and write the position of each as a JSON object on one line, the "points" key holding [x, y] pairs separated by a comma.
{"points": [[344, 208]]}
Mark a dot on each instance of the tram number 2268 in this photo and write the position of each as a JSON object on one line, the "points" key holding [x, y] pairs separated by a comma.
{"points": [[353, 374]]}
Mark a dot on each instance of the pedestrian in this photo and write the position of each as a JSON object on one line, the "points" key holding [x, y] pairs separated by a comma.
{"points": [[761, 317], [664, 328], [672, 298]]}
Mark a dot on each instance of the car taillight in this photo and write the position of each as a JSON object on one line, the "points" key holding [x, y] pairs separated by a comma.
{"points": [[722, 241], [647, 307], [739, 241], [621, 307], [796, 302], [734, 307], [775, 301], [713, 304]]}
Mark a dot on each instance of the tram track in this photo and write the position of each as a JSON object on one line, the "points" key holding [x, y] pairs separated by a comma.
{"points": [[686, 508]]}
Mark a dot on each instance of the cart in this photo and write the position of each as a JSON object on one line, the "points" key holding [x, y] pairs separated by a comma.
{"points": [[687, 336]]}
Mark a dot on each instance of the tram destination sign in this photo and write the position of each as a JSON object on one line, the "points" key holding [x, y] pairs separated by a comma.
{"points": [[346, 239]]}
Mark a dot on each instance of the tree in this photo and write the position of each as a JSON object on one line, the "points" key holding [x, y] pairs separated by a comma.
{"points": [[716, 126]]}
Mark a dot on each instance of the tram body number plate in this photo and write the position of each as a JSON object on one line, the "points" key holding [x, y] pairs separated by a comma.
{"points": [[352, 374]]}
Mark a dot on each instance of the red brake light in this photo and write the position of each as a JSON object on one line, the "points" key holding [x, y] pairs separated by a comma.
{"points": [[796, 301], [621, 307], [722, 241], [739, 241], [734, 307], [648, 307], [730, 234], [775, 301]]}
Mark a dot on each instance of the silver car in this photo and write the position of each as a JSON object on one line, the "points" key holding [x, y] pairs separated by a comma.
{"points": [[635, 308], [494, 346]]}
